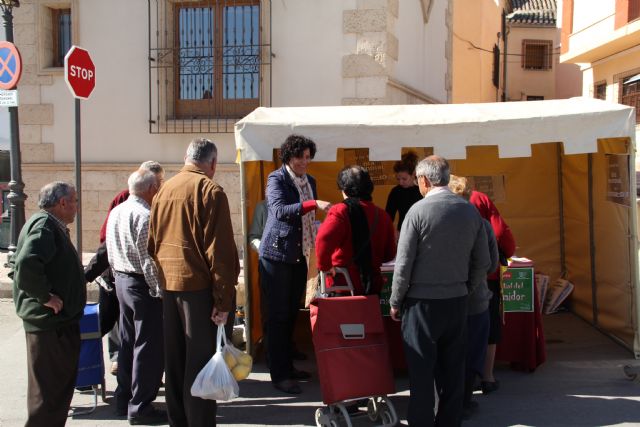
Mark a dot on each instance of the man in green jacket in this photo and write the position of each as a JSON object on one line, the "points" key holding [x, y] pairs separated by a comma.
{"points": [[49, 294]]}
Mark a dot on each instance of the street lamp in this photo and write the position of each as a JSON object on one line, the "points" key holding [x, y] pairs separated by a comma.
{"points": [[16, 195]]}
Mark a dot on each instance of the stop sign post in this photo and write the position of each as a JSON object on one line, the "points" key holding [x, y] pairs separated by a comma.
{"points": [[80, 75]]}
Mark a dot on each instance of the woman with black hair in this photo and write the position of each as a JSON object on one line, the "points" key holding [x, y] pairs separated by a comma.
{"points": [[285, 248], [356, 234], [406, 193]]}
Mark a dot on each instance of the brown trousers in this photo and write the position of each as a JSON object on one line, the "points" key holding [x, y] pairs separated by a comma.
{"points": [[52, 365], [189, 342]]}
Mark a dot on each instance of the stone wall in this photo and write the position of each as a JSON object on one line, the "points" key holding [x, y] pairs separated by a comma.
{"points": [[101, 182]]}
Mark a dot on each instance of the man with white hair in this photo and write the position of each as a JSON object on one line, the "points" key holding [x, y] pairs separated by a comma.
{"points": [[49, 294], [98, 269], [191, 238], [140, 359], [442, 250]]}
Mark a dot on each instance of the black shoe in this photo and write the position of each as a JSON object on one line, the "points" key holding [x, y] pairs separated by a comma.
{"points": [[489, 386], [151, 417], [121, 412], [288, 386], [298, 355], [84, 388], [297, 374]]}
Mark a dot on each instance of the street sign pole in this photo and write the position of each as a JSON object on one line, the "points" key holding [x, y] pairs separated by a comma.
{"points": [[16, 195], [79, 74], [78, 158]]}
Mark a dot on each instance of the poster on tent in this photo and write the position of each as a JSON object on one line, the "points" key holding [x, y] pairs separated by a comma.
{"points": [[517, 289], [618, 179]]}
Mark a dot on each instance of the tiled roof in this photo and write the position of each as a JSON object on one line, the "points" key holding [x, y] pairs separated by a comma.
{"points": [[534, 12]]}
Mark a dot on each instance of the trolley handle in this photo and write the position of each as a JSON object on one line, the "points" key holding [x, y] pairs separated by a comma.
{"points": [[339, 270]]}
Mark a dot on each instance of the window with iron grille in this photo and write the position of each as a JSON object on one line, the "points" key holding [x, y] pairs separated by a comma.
{"points": [[600, 90], [630, 93], [208, 64], [537, 54], [61, 25], [535, 98]]}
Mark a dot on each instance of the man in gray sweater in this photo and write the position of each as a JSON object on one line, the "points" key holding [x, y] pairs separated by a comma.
{"points": [[442, 250]]}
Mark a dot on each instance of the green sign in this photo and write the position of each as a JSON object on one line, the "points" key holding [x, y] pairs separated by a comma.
{"points": [[385, 293], [517, 289]]}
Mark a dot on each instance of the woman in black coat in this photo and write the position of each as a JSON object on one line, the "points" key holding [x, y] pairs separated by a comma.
{"points": [[287, 241]]}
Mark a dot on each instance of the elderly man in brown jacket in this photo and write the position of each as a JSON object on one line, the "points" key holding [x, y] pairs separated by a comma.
{"points": [[191, 240]]}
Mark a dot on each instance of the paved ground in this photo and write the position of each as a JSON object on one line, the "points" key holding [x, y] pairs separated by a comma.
{"points": [[582, 384]]}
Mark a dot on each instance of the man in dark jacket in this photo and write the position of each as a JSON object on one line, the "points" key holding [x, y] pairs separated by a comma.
{"points": [[49, 294]]}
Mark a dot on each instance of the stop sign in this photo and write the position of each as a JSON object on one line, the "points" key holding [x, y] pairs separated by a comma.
{"points": [[79, 72]]}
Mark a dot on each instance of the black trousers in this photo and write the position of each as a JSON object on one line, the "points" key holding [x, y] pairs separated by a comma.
{"points": [[140, 360], [52, 367], [109, 314], [190, 340], [434, 335], [283, 286]]}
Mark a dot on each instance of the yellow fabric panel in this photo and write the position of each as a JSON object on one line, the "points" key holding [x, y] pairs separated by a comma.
{"points": [[612, 241], [576, 234], [531, 204]]}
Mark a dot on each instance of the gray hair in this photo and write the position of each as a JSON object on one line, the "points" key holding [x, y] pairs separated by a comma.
{"points": [[153, 166], [53, 192], [435, 169], [141, 180], [201, 150]]}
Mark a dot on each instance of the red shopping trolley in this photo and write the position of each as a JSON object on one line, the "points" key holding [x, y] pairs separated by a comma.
{"points": [[352, 355]]}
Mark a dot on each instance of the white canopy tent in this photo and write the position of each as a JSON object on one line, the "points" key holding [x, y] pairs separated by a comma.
{"points": [[578, 128]]}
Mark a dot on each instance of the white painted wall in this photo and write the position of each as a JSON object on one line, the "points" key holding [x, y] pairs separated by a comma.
{"points": [[421, 57], [306, 71], [588, 12], [308, 43]]}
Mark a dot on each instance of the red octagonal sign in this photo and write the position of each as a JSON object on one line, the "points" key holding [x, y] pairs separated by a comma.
{"points": [[79, 72]]}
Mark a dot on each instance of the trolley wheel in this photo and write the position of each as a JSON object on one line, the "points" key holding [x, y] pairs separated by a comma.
{"points": [[345, 414], [387, 412], [326, 418], [373, 409], [632, 373]]}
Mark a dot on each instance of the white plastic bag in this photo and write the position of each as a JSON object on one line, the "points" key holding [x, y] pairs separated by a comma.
{"points": [[238, 361], [215, 381]]}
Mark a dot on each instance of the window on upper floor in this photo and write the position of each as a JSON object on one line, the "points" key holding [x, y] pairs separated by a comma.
{"points": [[600, 90], [537, 54], [630, 93], [60, 35], [207, 63], [55, 34], [535, 98], [634, 10]]}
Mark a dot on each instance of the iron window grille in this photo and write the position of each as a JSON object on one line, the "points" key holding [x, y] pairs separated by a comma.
{"points": [[630, 93], [209, 63], [537, 54], [600, 90], [61, 25]]}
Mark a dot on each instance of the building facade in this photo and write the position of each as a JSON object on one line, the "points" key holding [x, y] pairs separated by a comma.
{"points": [[534, 71], [603, 37], [171, 70]]}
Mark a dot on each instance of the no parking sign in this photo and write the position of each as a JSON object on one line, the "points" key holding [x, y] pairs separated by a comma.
{"points": [[10, 65]]}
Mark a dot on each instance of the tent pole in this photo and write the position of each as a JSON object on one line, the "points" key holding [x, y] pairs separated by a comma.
{"points": [[633, 247], [592, 244], [246, 263], [563, 263]]}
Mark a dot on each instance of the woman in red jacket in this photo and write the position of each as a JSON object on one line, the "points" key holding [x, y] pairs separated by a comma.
{"points": [[356, 234], [507, 247]]}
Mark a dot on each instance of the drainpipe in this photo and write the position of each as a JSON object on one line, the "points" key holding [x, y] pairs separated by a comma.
{"points": [[504, 56]]}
